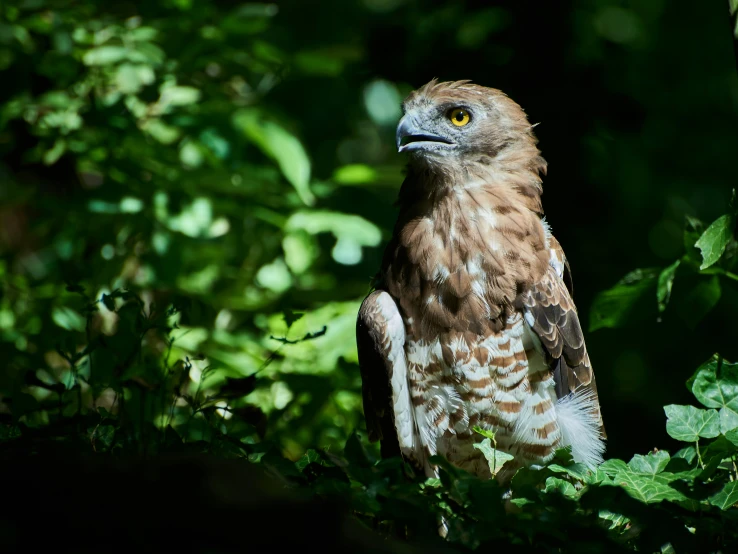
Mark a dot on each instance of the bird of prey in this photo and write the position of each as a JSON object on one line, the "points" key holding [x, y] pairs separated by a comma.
{"points": [[472, 322]]}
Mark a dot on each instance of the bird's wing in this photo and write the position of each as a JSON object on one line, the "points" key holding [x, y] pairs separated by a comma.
{"points": [[380, 338], [551, 314]]}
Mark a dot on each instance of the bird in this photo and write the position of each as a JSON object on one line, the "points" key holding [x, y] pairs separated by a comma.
{"points": [[470, 329]]}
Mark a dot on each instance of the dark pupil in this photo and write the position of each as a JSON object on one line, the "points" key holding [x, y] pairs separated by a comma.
{"points": [[460, 115]]}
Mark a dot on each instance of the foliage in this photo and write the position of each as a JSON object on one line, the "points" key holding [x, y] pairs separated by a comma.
{"points": [[705, 274], [651, 502], [194, 198]]}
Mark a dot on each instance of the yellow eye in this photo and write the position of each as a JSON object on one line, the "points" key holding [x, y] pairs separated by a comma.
{"points": [[459, 117]]}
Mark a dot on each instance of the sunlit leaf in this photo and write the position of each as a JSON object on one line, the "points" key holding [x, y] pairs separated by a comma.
{"points": [[274, 276], [279, 144], [646, 488], [713, 241], [352, 232], [179, 95], [688, 424], [104, 55], [495, 458], [651, 464], [561, 486], [354, 174]]}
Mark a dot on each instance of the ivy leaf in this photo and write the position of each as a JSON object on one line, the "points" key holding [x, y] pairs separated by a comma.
{"points": [[665, 283], [726, 497], [616, 520], [561, 486], [715, 384], [309, 457], [495, 458], [713, 241], [646, 488], [651, 464], [687, 423], [615, 306]]}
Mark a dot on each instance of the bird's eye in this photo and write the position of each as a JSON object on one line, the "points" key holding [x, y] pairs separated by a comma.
{"points": [[459, 117]]}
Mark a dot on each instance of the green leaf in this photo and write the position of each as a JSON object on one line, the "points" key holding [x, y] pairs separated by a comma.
{"points": [[647, 488], [651, 464], [713, 241], [163, 132], [615, 306], [688, 424], [561, 486], [495, 458], [68, 319], [726, 497], [354, 174], [55, 152], [104, 55], [309, 457], [280, 145], [382, 102], [665, 283], [352, 232], [688, 453], [484, 432], [179, 96], [715, 384], [615, 519]]}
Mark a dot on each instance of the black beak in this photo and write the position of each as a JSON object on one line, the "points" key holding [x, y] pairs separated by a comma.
{"points": [[408, 129]]}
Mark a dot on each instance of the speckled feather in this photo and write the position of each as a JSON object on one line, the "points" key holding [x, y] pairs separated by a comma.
{"points": [[472, 322]]}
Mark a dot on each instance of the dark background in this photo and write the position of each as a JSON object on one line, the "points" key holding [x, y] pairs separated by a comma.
{"points": [[637, 105]]}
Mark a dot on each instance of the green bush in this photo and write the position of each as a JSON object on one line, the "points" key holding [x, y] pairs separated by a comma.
{"points": [[194, 198]]}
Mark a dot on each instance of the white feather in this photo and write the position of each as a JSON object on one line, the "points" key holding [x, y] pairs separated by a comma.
{"points": [[580, 426]]}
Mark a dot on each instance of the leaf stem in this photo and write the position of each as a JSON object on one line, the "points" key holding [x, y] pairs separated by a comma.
{"points": [[699, 456]]}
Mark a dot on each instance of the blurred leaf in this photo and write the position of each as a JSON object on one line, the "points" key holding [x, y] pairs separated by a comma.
{"points": [[688, 424], [713, 241], [618, 305], [68, 319], [382, 101], [104, 55], [354, 174], [300, 251], [55, 152], [351, 231], [179, 96], [274, 276], [665, 284], [280, 145], [163, 132]]}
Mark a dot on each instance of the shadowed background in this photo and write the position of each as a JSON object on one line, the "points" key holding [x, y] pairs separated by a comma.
{"points": [[236, 163]]}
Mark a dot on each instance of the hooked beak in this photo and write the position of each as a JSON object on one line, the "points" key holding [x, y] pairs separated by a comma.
{"points": [[411, 137]]}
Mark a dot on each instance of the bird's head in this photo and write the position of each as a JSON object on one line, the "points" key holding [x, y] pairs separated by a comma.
{"points": [[450, 121]]}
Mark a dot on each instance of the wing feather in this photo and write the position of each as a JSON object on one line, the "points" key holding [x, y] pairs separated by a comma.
{"points": [[552, 315], [380, 336]]}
